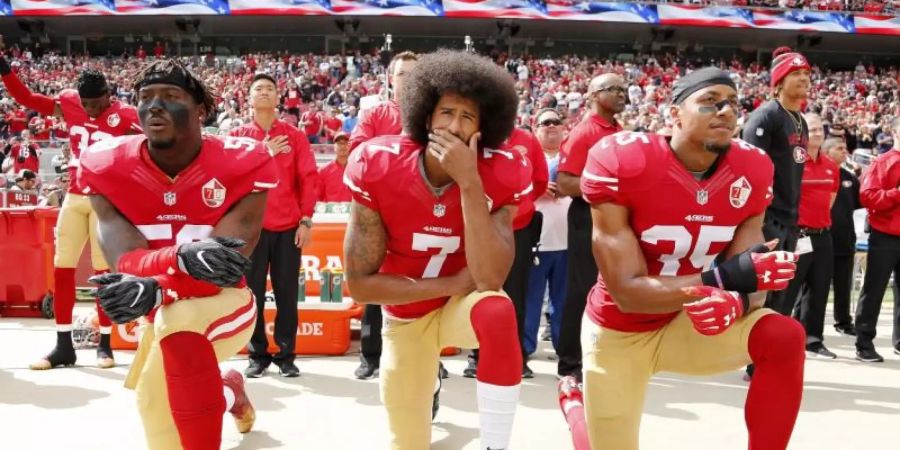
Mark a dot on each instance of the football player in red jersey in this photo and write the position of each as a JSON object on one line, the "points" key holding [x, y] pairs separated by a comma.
{"points": [[666, 310], [179, 213], [91, 116], [430, 238]]}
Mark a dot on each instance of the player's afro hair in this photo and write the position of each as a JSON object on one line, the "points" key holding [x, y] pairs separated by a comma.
{"points": [[172, 70], [469, 76], [91, 84]]}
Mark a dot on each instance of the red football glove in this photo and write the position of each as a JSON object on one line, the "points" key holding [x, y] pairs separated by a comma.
{"points": [[716, 310]]}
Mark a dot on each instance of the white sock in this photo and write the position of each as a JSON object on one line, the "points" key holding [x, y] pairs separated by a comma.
{"points": [[229, 398], [63, 328], [106, 330], [496, 411]]}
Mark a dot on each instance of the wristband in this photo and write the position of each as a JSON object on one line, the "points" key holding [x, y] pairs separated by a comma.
{"points": [[181, 286], [143, 262]]}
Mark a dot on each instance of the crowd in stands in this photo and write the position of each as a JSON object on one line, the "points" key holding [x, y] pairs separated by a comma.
{"points": [[324, 94]]}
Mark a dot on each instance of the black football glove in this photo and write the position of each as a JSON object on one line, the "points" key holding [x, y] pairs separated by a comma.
{"points": [[214, 260], [126, 297], [755, 269]]}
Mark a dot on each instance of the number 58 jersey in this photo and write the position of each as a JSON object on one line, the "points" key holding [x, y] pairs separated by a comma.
{"points": [[424, 227], [681, 223], [170, 211]]}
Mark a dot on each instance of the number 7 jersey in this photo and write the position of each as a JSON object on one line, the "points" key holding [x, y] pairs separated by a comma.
{"points": [[171, 211], [424, 228], [681, 223]]}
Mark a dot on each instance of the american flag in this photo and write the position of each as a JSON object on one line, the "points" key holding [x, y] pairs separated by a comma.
{"points": [[602, 11], [159, 7], [280, 7], [512, 9], [804, 20], [62, 7], [713, 16], [5, 8], [872, 24], [388, 7]]}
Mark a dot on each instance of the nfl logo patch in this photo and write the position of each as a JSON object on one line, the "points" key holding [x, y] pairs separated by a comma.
{"points": [[169, 198], [113, 120], [739, 192], [702, 197], [213, 193], [440, 210]]}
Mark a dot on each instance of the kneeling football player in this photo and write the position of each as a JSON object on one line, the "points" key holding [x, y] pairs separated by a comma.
{"points": [[179, 213], [430, 238], [657, 306]]}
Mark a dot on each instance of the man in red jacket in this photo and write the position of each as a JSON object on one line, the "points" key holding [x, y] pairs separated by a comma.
{"points": [[880, 195], [330, 185], [382, 120], [286, 227]]}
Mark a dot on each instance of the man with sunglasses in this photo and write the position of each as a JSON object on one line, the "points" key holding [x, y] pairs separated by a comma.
{"points": [[604, 99]]}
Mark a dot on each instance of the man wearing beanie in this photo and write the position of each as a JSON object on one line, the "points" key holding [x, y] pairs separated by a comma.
{"points": [[778, 128]]}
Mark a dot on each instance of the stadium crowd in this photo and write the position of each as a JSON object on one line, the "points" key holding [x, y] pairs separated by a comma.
{"points": [[323, 94]]}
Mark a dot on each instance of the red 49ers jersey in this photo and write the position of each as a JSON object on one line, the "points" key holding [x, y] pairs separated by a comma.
{"points": [[681, 223], [117, 120], [424, 229], [175, 211]]}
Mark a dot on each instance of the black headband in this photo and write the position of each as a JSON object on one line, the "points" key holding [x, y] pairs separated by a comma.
{"points": [[175, 77], [699, 79]]}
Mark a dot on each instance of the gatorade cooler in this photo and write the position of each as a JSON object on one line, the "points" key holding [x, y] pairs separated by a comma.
{"points": [[323, 328], [26, 261], [125, 336]]}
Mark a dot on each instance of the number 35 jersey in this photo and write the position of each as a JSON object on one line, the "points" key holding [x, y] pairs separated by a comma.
{"points": [[184, 209], [117, 120], [681, 223], [424, 228]]}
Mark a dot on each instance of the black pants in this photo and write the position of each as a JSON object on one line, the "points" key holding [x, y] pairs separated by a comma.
{"points": [[582, 274], [787, 240], [370, 336], [883, 257], [843, 281], [275, 253], [811, 284], [516, 284]]}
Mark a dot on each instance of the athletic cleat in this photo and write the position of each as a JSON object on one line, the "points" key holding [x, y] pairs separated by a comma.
{"points": [[818, 350], [442, 372], [471, 370], [242, 411], [105, 358], [58, 357], [570, 394], [846, 330], [868, 355], [366, 371]]}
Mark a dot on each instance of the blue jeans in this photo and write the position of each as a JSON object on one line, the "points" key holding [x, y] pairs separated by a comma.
{"points": [[552, 270]]}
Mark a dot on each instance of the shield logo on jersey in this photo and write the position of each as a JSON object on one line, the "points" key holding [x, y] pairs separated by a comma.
{"points": [[113, 120], [439, 210], [739, 192], [702, 197], [799, 155], [847, 183], [213, 193], [169, 198]]}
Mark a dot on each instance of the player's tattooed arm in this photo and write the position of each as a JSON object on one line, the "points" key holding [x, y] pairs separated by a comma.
{"points": [[365, 246], [243, 221], [618, 254], [117, 235]]}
